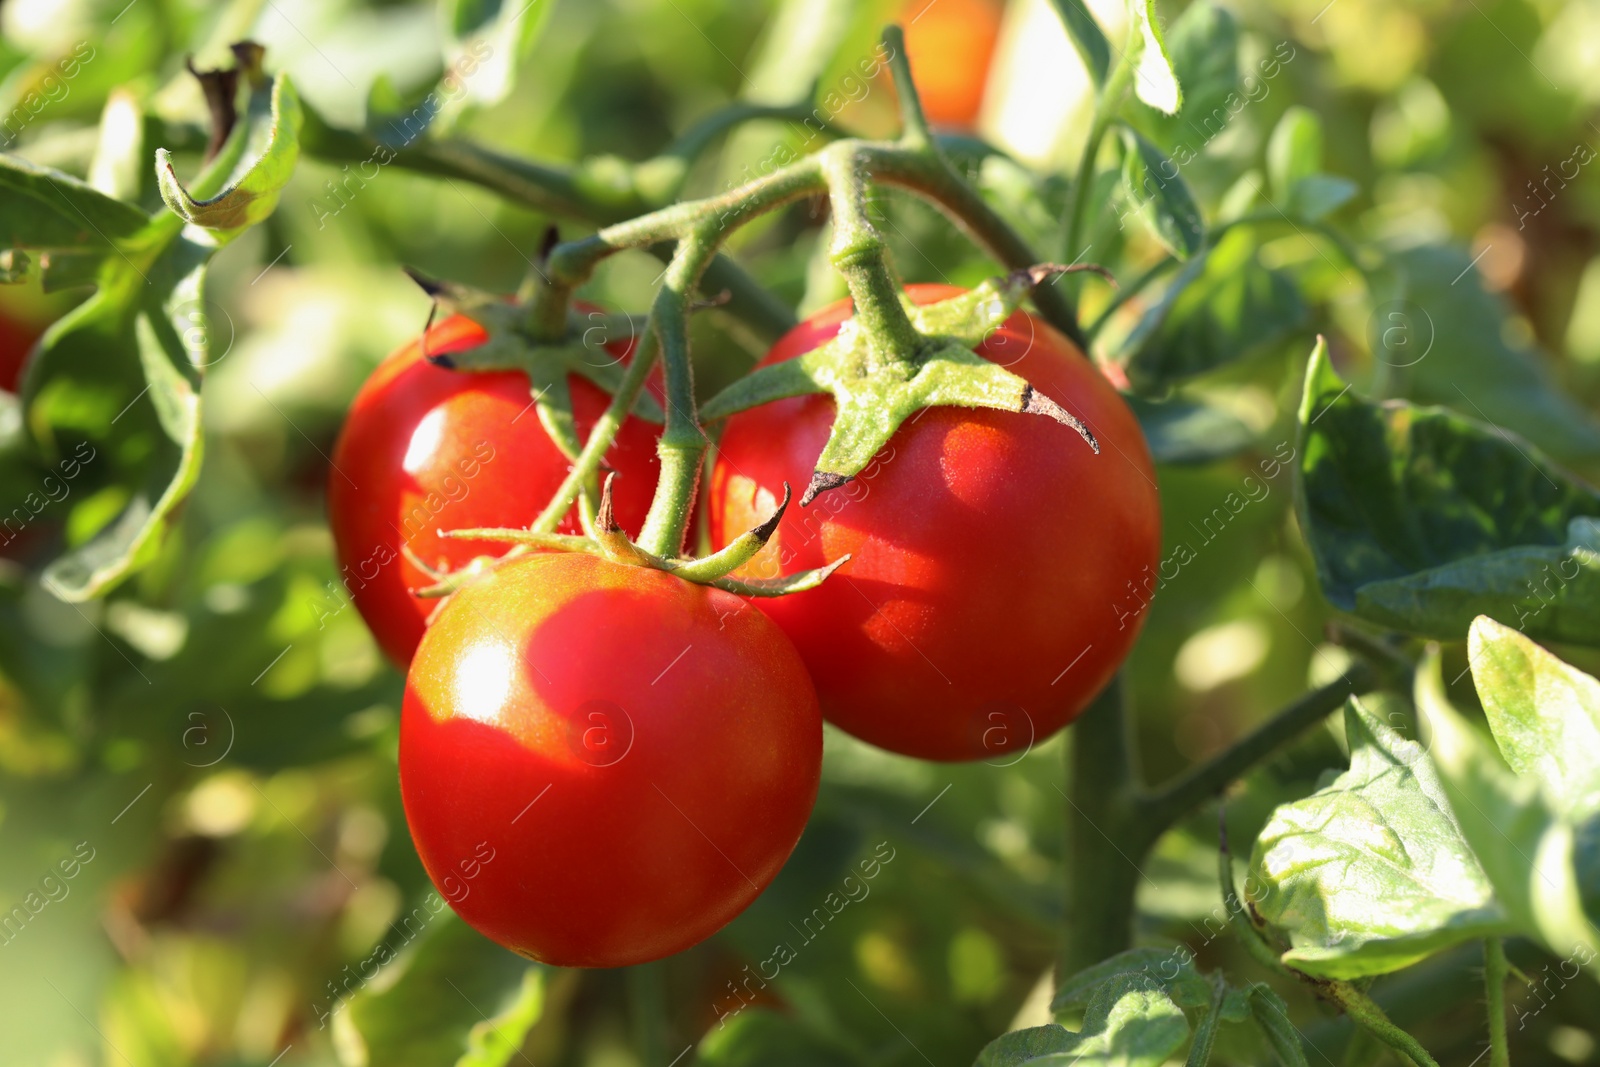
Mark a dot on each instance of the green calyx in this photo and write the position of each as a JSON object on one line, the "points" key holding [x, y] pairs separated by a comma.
{"points": [[876, 388], [605, 538], [581, 349]]}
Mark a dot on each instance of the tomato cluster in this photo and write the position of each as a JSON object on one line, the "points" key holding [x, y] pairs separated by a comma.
{"points": [[639, 753]]}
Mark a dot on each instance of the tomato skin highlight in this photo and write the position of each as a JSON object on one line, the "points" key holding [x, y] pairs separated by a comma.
{"points": [[998, 568], [640, 755], [426, 448]]}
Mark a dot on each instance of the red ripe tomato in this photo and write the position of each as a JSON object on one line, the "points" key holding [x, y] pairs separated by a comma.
{"points": [[426, 448], [989, 596], [949, 44], [16, 339], [602, 765]]}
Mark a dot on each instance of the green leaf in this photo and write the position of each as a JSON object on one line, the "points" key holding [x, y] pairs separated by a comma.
{"points": [[1545, 714], [1152, 182], [1528, 852], [1420, 520], [1222, 308], [1161, 965], [1204, 45], [1190, 432], [1153, 79], [1087, 37], [252, 168], [1130, 1022], [117, 380], [1475, 363], [1318, 195], [1294, 150], [1031, 1045], [44, 208], [485, 40], [1371, 873], [454, 997], [1271, 1017], [757, 1038]]}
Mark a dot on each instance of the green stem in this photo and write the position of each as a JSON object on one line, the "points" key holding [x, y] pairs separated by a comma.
{"points": [[1365, 1013], [647, 997], [859, 254], [1205, 1034], [914, 132], [1105, 112], [604, 432], [1494, 983], [682, 445], [1102, 855], [1166, 805]]}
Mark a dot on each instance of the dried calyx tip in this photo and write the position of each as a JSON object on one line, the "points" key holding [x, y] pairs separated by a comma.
{"points": [[426, 284], [764, 532], [1040, 271], [1036, 403], [821, 482], [552, 237], [604, 520]]}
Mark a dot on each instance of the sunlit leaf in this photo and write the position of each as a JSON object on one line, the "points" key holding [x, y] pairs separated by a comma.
{"points": [[1372, 873]]}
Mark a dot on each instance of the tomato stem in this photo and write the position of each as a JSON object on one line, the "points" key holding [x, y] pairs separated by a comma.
{"points": [[1495, 972], [1105, 112]]}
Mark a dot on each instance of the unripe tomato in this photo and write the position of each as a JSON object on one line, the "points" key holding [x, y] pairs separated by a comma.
{"points": [[990, 594], [949, 44], [426, 448], [601, 764]]}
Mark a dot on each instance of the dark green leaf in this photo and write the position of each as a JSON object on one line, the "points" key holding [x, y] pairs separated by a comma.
{"points": [[1371, 873], [1152, 182], [1421, 520], [1130, 1022], [1190, 432], [1223, 307], [1271, 1016], [459, 999], [1087, 38], [1473, 362], [1026, 1046], [1162, 965]]}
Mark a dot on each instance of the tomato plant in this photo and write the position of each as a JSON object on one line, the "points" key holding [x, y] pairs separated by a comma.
{"points": [[426, 448], [1102, 575], [992, 543], [630, 744]]}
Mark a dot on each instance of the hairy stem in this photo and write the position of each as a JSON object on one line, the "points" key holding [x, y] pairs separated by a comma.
{"points": [[1194, 787], [1365, 1013], [1105, 112], [682, 445], [1494, 984], [587, 465], [858, 253]]}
